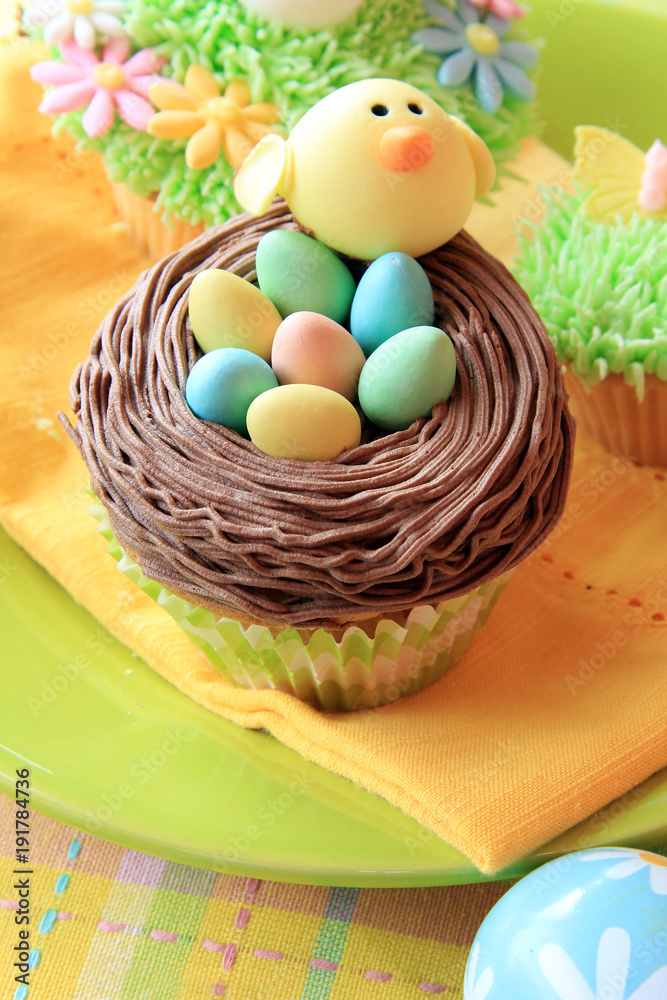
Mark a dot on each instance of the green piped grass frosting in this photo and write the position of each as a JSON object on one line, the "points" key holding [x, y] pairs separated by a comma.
{"points": [[290, 67], [600, 289]]}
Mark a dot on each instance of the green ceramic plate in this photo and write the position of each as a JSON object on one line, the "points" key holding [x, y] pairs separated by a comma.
{"points": [[603, 63], [115, 750]]}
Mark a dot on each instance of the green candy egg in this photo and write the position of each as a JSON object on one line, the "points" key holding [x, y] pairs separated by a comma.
{"points": [[406, 376], [299, 274]]}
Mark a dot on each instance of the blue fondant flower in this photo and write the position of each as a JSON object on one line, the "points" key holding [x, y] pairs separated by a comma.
{"points": [[475, 50]]}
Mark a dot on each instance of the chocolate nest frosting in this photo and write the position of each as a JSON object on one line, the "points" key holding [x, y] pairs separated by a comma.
{"points": [[412, 517]]}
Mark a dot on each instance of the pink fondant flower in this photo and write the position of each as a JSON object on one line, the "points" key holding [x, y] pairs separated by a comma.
{"points": [[114, 81], [653, 193], [501, 8]]}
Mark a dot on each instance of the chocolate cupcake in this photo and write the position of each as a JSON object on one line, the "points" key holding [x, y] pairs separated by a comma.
{"points": [[347, 582]]}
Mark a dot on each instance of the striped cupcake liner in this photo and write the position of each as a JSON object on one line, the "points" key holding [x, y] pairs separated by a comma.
{"points": [[343, 672]]}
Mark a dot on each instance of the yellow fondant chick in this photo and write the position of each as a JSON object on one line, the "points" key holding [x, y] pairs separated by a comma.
{"points": [[374, 167]]}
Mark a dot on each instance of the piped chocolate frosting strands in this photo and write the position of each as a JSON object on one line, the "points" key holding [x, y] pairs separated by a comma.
{"points": [[412, 517]]}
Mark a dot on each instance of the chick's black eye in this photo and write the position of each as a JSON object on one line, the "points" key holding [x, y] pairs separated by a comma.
{"points": [[416, 110], [380, 110]]}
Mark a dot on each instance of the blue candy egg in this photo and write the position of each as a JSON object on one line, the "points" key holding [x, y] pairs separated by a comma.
{"points": [[223, 384], [393, 295], [588, 926]]}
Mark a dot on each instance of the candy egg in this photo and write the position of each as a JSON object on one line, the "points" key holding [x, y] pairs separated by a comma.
{"points": [[222, 385], [588, 926], [304, 422], [406, 376], [393, 295], [312, 349], [227, 311], [299, 274], [309, 13]]}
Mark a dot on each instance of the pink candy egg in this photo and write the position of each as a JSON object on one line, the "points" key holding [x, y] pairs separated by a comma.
{"points": [[312, 349]]}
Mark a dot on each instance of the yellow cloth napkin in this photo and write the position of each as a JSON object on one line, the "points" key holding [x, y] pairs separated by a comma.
{"points": [[560, 706]]}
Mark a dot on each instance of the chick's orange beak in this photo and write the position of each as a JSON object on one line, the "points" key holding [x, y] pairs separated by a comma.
{"points": [[406, 148]]}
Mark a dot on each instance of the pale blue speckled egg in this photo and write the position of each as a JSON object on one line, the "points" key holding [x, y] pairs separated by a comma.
{"points": [[393, 295], [222, 385]]}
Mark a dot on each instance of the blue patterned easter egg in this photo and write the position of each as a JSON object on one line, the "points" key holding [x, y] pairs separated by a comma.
{"points": [[588, 926]]}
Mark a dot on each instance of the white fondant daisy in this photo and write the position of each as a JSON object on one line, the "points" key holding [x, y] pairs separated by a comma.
{"points": [[611, 975], [85, 20], [631, 862], [476, 990]]}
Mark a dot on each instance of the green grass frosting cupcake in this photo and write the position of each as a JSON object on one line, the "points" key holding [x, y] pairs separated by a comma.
{"points": [[282, 64], [595, 268]]}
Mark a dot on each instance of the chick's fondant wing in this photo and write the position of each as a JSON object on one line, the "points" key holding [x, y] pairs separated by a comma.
{"points": [[264, 173], [485, 167]]}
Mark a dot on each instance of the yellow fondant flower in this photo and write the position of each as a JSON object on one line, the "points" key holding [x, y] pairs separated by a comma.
{"points": [[623, 178], [200, 112]]}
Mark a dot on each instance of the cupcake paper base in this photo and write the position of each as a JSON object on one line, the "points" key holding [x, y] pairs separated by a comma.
{"points": [[614, 416], [145, 228], [348, 671]]}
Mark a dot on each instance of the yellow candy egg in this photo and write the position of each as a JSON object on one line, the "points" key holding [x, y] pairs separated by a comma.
{"points": [[304, 422], [227, 311]]}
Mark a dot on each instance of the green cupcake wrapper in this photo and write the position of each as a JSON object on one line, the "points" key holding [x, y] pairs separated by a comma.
{"points": [[335, 673]]}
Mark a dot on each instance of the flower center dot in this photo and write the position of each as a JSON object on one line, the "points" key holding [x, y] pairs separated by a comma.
{"points": [[223, 109], [109, 76], [482, 39], [77, 7]]}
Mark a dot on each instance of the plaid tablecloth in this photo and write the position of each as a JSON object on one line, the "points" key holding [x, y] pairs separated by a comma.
{"points": [[112, 924], [108, 923]]}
